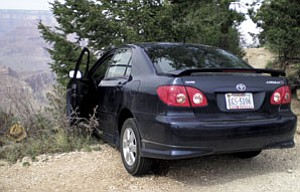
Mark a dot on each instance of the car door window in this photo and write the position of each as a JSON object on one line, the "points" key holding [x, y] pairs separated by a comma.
{"points": [[120, 65], [128, 70], [100, 72]]}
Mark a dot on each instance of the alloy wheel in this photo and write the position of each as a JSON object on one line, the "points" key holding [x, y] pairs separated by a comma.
{"points": [[129, 146]]}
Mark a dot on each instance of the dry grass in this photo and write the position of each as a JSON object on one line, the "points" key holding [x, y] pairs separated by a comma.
{"points": [[48, 129]]}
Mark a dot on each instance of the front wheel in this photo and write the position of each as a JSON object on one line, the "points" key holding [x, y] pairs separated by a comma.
{"points": [[130, 145]]}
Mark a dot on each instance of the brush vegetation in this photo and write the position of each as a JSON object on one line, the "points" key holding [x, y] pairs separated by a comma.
{"points": [[47, 129]]}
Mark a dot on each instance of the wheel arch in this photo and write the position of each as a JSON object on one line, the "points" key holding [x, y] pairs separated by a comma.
{"points": [[123, 115]]}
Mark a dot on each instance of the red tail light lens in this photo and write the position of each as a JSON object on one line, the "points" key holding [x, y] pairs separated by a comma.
{"points": [[282, 95], [173, 95], [181, 96], [197, 98]]}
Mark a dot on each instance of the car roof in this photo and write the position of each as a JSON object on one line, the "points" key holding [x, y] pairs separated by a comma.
{"points": [[154, 44]]}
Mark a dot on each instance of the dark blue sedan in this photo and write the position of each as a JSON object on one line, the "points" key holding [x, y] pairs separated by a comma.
{"points": [[174, 101]]}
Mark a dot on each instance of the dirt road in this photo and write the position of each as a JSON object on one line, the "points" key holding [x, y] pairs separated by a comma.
{"points": [[273, 170]]}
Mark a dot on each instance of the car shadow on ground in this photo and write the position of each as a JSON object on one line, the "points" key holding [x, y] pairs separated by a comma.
{"points": [[218, 169]]}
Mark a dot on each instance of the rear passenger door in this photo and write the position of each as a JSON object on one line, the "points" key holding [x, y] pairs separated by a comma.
{"points": [[110, 89]]}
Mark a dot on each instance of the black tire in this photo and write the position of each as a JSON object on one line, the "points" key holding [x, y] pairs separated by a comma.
{"points": [[160, 167], [247, 154], [130, 146]]}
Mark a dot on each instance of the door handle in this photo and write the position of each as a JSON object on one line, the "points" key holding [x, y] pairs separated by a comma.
{"points": [[119, 85]]}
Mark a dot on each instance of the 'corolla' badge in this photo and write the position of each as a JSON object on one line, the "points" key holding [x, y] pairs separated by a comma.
{"points": [[241, 87]]}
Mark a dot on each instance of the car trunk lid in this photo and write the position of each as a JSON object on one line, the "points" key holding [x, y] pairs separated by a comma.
{"points": [[235, 96]]}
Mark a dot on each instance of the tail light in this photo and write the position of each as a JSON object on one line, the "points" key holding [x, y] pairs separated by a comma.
{"points": [[197, 98], [282, 95], [181, 96]]}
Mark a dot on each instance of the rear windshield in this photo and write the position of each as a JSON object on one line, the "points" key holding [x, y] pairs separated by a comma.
{"points": [[172, 57]]}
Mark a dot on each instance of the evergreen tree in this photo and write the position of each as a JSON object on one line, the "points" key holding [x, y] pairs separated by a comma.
{"points": [[212, 22], [100, 24], [280, 21]]}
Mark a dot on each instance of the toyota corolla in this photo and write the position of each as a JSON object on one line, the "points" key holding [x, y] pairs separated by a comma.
{"points": [[174, 101]]}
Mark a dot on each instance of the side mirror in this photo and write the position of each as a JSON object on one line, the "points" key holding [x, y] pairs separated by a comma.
{"points": [[72, 74]]}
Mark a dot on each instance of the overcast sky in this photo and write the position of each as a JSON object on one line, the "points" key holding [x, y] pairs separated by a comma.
{"points": [[25, 4]]}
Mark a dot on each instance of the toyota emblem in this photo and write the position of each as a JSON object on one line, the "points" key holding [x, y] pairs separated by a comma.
{"points": [[241, 87]]}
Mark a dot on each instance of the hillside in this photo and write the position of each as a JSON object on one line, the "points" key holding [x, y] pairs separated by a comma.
{"points": [[258, 57], [24, 69], [15, 90]]}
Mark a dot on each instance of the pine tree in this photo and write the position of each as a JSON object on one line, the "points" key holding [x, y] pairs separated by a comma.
{"points": [[100, 24], [280, 21]]}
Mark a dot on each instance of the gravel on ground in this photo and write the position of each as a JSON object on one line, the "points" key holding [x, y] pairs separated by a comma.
{"points": [[274, 170]]}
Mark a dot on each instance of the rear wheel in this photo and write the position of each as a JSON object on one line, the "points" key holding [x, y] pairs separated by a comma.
{"points": [[247, 154], [130, 145]]}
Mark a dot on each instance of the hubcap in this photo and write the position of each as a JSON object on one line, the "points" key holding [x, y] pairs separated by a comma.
{"points": [[129, 146]]}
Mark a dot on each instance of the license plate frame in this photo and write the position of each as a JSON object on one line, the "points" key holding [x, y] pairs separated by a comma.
{"points": [[239, 101]]}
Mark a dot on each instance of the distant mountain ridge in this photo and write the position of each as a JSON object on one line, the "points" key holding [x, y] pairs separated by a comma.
{"points": [[8, 71], [11, 19], [22, 47], [24, 69]]}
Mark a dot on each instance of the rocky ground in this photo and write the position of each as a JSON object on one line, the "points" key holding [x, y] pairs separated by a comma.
{"points": [[273, 170]]}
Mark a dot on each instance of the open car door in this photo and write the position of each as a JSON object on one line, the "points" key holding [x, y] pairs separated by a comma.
{"points": [[77, 89]]}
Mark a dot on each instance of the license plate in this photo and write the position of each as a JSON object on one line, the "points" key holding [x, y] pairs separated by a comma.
{"points": [[239, 101]]}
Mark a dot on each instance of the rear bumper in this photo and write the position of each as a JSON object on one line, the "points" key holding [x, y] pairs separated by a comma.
{"points": [[180, 137]]}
